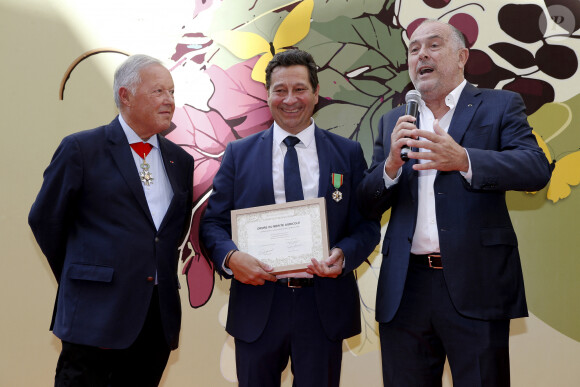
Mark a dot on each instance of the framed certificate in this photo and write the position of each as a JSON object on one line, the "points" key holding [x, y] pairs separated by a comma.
{"points": [[285, 236]]}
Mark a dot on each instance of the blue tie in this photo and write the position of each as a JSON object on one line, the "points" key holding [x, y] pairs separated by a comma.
{"points": [[292, 182]]}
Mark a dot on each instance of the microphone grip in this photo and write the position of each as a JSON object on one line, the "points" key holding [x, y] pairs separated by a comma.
{"points": [[411, 109], [404, 153]]}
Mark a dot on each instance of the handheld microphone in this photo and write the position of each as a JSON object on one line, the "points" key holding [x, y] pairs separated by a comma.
{"points": [[413, 98]]}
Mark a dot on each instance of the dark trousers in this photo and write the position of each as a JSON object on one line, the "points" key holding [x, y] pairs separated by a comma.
{"points": [[293, 331], [427, 328], [140, 365]]}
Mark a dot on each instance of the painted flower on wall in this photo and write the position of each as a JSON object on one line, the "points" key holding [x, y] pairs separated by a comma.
{"points": [[526, 46], [558, 125], [237, 108], [529, 47], [244, 44], [361, 54]]}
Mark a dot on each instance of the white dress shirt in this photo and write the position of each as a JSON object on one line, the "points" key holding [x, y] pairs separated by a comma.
{"points": [[159, 193], [426, 237], [307, 162]]}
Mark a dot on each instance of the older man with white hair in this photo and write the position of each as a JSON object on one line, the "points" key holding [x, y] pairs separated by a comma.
{"points": [[110, 215]]}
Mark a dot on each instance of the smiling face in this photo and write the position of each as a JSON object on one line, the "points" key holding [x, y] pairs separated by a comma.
{"points": [[150, 109], [436, 60], [292, 98]]}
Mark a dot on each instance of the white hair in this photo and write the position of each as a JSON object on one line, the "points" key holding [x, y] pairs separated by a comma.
{"points": [[128, 74]]}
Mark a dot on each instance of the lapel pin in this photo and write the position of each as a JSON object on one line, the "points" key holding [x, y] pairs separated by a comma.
{"points": [[337, 183]]}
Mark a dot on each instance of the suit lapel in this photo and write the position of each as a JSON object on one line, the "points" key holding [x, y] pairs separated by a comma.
{"points": [[168, 162], [120, 151], [171, 171], [324, 156], [264, 164], [466, 107]]}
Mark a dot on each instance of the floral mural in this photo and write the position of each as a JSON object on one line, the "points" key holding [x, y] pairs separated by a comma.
{"points": [[529, 47], [361, 54]]}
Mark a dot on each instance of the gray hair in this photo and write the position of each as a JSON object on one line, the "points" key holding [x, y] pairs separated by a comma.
{"points": [[128, 74], [456, 36]]}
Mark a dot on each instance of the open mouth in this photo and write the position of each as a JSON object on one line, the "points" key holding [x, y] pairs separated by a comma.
{"points": [[425, 70]]}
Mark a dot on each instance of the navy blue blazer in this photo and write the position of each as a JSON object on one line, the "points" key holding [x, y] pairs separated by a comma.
{"points": [[478, 244], [93, 224], [245, 180]]}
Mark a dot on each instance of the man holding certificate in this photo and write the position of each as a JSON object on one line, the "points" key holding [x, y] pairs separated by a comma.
{"points": [[301, 315]]}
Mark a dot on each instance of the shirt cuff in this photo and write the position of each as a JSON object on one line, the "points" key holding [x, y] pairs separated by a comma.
{"points": [[388, 181], [469, 174], [225, 269]]}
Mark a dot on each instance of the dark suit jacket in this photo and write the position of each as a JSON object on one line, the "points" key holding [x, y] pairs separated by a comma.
{"points": [[245, 180], [92, 221], [478, 244]]}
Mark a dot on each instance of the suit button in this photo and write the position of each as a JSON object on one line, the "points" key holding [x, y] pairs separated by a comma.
{"points": [[156, 239], [150, 279]]}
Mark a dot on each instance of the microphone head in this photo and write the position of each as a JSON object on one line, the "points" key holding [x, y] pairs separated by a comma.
{"points": [[413, 95]]}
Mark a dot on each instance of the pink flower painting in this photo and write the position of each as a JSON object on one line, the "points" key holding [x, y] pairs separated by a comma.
{"points": [[237, 109]]}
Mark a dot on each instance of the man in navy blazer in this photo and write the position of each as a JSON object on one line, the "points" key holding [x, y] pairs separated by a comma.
{"points": [[451, 277], [304, 317], [109, 220]]}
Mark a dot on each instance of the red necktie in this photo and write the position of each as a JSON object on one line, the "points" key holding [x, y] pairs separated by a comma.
{"points": [[142, 148]]}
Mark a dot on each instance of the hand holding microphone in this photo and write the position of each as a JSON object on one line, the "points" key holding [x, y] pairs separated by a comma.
{"points": [[413, 98]]}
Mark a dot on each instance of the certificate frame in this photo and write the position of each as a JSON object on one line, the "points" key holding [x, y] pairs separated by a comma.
{"points": [[285, 236]]}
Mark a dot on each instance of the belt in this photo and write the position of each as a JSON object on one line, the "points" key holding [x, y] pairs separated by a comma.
{"points": [[432, 260], [295, 282]]}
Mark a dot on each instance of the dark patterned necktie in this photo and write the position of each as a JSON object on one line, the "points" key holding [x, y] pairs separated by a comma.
{"points": [[292, 182]]}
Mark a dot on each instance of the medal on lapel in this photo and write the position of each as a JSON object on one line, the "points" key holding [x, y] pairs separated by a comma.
{"points": [[142, 149], [337, 183], [145, 175]]}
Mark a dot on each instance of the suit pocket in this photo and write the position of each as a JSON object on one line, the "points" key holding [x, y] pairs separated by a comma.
{"points": [[498, 236], [90, 272]]}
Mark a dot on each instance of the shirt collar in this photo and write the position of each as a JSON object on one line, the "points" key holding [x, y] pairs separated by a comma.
{"points": [[133, 137], [451, 98], [306, 136]]}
